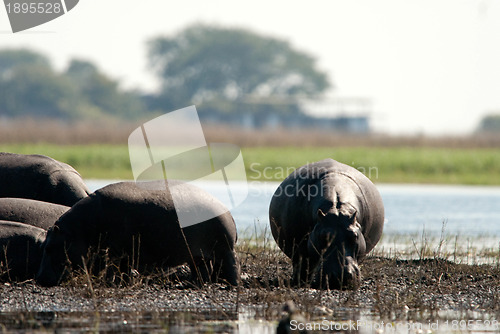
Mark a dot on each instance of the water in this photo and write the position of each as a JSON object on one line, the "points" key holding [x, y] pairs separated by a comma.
{"points": [[467, 210], [409, 209], [246, 321]]}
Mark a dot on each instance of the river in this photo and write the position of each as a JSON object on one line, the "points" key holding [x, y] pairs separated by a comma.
{"points": [[410, 210]]}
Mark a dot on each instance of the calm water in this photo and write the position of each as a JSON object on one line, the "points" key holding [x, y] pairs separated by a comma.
{"points": [[244, 322], [409, 209]]}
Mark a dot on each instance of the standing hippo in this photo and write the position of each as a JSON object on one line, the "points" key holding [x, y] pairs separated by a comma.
{"points": [[31, 212], [326, 216], [137, 226], [20, 250], [41, 178]]}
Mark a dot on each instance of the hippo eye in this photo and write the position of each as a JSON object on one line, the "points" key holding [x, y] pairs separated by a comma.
{"points": [[352, 235], [353, 231]]}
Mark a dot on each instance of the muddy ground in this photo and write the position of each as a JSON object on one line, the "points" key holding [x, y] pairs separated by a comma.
{"points": [[391, 289]]}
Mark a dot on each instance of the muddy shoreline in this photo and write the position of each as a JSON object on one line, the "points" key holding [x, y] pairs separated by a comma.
{"points": [[390, 289]]}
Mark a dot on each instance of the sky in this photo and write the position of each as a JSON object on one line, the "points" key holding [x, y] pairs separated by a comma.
{"points": [[429, 66]]}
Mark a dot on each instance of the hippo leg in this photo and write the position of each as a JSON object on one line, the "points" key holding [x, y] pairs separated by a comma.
{"points": [[303, 264], [228, 267], [201, 270], [220, 267], [303, 269]]}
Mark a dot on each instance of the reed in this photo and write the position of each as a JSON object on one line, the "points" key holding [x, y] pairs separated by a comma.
{"points": [[29, 130]]}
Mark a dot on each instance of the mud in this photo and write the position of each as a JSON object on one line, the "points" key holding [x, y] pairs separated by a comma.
{"points": [[392, 289]]}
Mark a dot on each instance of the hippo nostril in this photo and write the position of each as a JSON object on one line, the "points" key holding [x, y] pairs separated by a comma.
{"points": [[351, 275], [352, 271]]}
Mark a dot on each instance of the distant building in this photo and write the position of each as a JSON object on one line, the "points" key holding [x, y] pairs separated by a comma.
{"points": [[345, 114], [349, 115]]}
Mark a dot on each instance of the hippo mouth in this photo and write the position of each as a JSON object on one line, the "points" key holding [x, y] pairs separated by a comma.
{"points": [[346, 277], [49, 278]]}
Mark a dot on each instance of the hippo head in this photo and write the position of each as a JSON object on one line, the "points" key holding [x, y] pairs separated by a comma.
{"points": [[337, 244], [60, 252]]}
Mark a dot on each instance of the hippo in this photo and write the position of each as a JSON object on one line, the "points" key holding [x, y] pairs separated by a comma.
{"points": [[20, 250], [326, 216], [31, 212], [136, 226], [41, 178]]}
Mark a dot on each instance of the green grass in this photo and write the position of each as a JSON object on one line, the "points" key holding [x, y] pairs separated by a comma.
{"points": [[386, 164], [381, 164], [91, 161]]}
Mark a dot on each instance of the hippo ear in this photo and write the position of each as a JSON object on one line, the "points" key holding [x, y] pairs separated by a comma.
{"points": [[348, 212], [54, 229], [352, 219], [321, 214]]}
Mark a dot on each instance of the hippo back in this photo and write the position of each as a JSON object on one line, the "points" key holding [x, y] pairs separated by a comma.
{"points": [[31, 212], [41, 178], [148, 202], [20, 250], [138, 223]]}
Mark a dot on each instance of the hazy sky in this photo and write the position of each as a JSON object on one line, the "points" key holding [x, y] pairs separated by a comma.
{"points": [[430, 66]]}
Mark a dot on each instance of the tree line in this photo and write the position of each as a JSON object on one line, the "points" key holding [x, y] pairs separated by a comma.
{"points": [[216, 67], [223, 71], [31, 87]]}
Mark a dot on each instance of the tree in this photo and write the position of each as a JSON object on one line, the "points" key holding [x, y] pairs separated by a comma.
{"points": [[489, 124], [206, 63], [29, 86], [35, 90], [102, 92], [10, 59]]}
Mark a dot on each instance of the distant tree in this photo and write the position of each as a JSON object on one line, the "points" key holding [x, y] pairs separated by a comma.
{"points": [[29, 86], [35, 90], [10, 59], [102, 92], [489, 124], [205, 63]]}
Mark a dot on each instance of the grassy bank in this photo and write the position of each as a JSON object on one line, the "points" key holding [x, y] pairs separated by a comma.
{"points": [[92, 161], [382, 164]]}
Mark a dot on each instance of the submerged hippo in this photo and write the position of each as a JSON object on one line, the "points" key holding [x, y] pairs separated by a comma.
{"points": [[326, 216], [31, 212], [137, 226], [41, 178], [20, 250]]}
